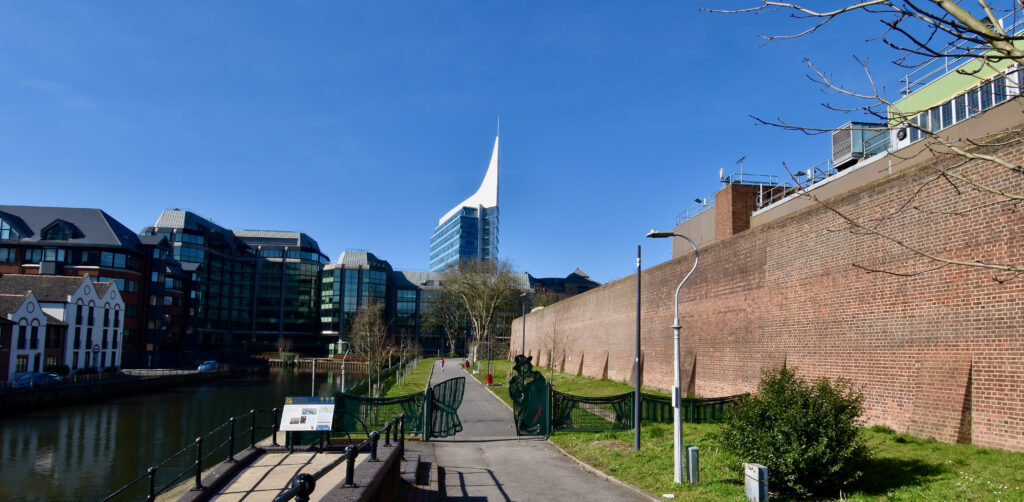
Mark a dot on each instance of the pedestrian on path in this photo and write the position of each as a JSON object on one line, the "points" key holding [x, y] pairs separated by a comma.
{"points": [[442, 365]]}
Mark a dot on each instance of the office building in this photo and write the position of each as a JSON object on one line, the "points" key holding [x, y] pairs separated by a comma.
{"points": [[255, 286], [67, 241], [469, 231]]}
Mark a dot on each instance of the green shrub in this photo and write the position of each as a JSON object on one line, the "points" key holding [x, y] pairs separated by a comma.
{"points": [[806, 433]]}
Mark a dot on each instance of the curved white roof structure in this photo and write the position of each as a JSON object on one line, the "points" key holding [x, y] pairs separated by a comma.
{"points": [[487, 194]]}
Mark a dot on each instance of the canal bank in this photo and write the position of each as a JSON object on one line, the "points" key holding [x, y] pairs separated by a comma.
{"points": [[14, 402]]}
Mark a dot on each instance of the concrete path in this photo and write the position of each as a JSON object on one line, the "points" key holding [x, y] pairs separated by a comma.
{"points": [[486, 461], [266, 478]]}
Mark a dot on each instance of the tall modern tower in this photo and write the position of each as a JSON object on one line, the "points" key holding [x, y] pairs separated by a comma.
{"points": [[470, 229]]}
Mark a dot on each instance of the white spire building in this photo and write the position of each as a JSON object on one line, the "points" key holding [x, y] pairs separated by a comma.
{"points": [[469, 230]]}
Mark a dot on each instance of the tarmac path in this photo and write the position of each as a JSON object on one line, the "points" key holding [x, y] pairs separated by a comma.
{"points": [[486, 461]]}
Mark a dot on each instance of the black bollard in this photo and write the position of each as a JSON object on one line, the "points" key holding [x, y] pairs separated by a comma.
{"points": [[350, 466], [374, 437]]}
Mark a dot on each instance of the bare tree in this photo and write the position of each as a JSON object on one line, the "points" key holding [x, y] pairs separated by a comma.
{"points": [[484, 287], [370, 337], [557, 347], [975, 42], [448, 312]]}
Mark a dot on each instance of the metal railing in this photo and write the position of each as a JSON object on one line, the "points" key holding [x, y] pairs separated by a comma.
{"points": [[201, 451], [303, 484], [699, 206], [933, 68]]}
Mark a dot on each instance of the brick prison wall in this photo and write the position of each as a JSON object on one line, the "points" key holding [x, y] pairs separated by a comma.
{"points": [[937, 353]]}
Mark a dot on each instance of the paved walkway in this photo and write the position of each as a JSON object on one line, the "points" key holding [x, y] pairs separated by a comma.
{"points": [[486, 461], [272, 473]]}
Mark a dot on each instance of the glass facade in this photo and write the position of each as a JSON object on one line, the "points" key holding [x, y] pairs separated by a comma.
{"points": [[471, 233], [256, 285]]}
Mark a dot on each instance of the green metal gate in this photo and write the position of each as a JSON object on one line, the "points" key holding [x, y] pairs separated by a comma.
{"points": [[441, 408]]}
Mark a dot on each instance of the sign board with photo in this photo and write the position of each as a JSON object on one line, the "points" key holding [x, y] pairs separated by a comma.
{"points": [[307, 413]]}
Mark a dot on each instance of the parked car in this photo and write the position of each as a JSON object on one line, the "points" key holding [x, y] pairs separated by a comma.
{"points": [[209, 366], [29, 380]]}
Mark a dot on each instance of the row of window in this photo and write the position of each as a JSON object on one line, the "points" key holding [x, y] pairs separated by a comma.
{"points": [[964, 106], [76, 342]]}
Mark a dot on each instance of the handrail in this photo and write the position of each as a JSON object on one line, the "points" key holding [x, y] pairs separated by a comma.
{"points": [[303, 484], [196, 446]]}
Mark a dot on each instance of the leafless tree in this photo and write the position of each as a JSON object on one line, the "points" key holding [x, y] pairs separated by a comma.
{"points": [[918, 32], [448, 312], [484, 287], [370, 336], [557, 346]]}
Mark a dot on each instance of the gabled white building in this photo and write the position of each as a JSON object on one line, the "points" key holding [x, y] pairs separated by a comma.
{"points": [[93, 313], [22, 328]]}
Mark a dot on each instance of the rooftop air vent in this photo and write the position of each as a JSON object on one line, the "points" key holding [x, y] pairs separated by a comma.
{"points": [[856, 140]]}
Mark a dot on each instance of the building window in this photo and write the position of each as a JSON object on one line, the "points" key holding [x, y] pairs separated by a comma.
{"points": [[55, 254], [78, 338], [78, 315], [103, 340], [92, 316], [21, 363], [33, 339], [57, 232], [88, 338], [33, 255], [7, 255], [6, 232], [106, 318], [113, 340], [131, 311], [103, 360], [117, 318], [986, 95], [51, 361], [74, 360], [22, 337]]}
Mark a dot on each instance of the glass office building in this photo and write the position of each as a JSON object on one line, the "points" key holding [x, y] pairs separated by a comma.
{"points": [[469, 230], [256, 285]]}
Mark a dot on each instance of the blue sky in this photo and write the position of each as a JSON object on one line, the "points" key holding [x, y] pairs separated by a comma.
{"points": [[361, 123]]}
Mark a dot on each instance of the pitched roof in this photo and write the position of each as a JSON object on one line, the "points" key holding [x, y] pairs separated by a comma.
{"points": [[97, 227], [359, 259], [10, 303], [47, 288]]}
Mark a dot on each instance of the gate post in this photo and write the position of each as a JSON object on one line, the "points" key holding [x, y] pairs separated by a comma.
{"points": [[427, 397]]}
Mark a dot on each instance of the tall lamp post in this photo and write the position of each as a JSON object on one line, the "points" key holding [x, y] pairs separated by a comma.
{"points": [[677, 418], [522, 299]]}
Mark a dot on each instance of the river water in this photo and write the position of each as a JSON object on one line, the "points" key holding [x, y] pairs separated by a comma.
{"points": [[86, 452]]}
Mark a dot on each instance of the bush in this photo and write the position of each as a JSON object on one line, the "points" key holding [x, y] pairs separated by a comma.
{"points": [[806, 433]]}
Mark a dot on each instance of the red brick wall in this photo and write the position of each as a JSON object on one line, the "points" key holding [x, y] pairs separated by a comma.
{"points": [[937, 354]]}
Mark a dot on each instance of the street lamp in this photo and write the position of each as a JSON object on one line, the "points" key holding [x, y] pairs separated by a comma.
{"points": [[677, 419], [522, 300]]}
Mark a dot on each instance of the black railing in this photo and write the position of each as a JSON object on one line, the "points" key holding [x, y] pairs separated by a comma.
{"points": [[189, 461], [302, 485]]}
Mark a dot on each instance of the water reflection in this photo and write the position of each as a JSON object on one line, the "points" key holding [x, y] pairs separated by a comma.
{"points": [[86, 452]]}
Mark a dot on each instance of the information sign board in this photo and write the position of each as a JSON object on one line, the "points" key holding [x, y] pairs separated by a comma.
{"points": [[307, 413]]}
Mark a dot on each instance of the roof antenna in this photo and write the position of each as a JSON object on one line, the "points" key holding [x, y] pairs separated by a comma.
{"points": [[740, 162]]}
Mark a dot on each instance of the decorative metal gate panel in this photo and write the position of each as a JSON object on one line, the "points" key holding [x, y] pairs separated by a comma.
{"points": [[531, 399], [443, 401]]}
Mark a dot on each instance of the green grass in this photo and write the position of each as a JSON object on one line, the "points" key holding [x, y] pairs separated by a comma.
{"points": [[563, 382], [903, 467], [415, 381]]}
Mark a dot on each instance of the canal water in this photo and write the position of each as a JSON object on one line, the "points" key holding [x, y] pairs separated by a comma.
{"points": [[87, 452]]}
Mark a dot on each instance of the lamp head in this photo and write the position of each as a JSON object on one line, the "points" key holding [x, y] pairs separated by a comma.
{"points": [[655, 234]]}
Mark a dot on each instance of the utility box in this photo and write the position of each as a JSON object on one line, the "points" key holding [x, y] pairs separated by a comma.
{"points": [[693, 464], [856, 140], [755, 482]]}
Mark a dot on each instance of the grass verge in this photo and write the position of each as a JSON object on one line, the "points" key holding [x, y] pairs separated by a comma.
{"points": [[903, 467], [415, 381]]}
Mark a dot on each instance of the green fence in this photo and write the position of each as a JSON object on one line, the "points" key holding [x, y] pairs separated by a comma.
{"points": [[359, 414], [611, 413]]}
